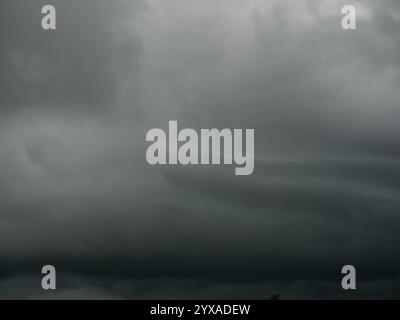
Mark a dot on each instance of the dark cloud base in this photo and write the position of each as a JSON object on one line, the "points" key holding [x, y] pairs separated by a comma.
{"points": [[76, 286]]}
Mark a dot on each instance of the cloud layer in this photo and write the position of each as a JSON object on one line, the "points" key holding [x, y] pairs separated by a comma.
{"points": [[76, 191]]}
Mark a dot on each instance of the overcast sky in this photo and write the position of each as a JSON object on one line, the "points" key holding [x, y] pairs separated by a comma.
{"points": [[76, 191]]}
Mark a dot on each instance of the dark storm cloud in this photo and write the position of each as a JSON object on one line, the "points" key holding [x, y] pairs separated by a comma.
{"points": [[72, 67], [75, 189], [79, 287]]}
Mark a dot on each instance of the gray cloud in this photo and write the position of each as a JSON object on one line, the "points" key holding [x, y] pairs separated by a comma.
{"points": [[76, 192]]}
